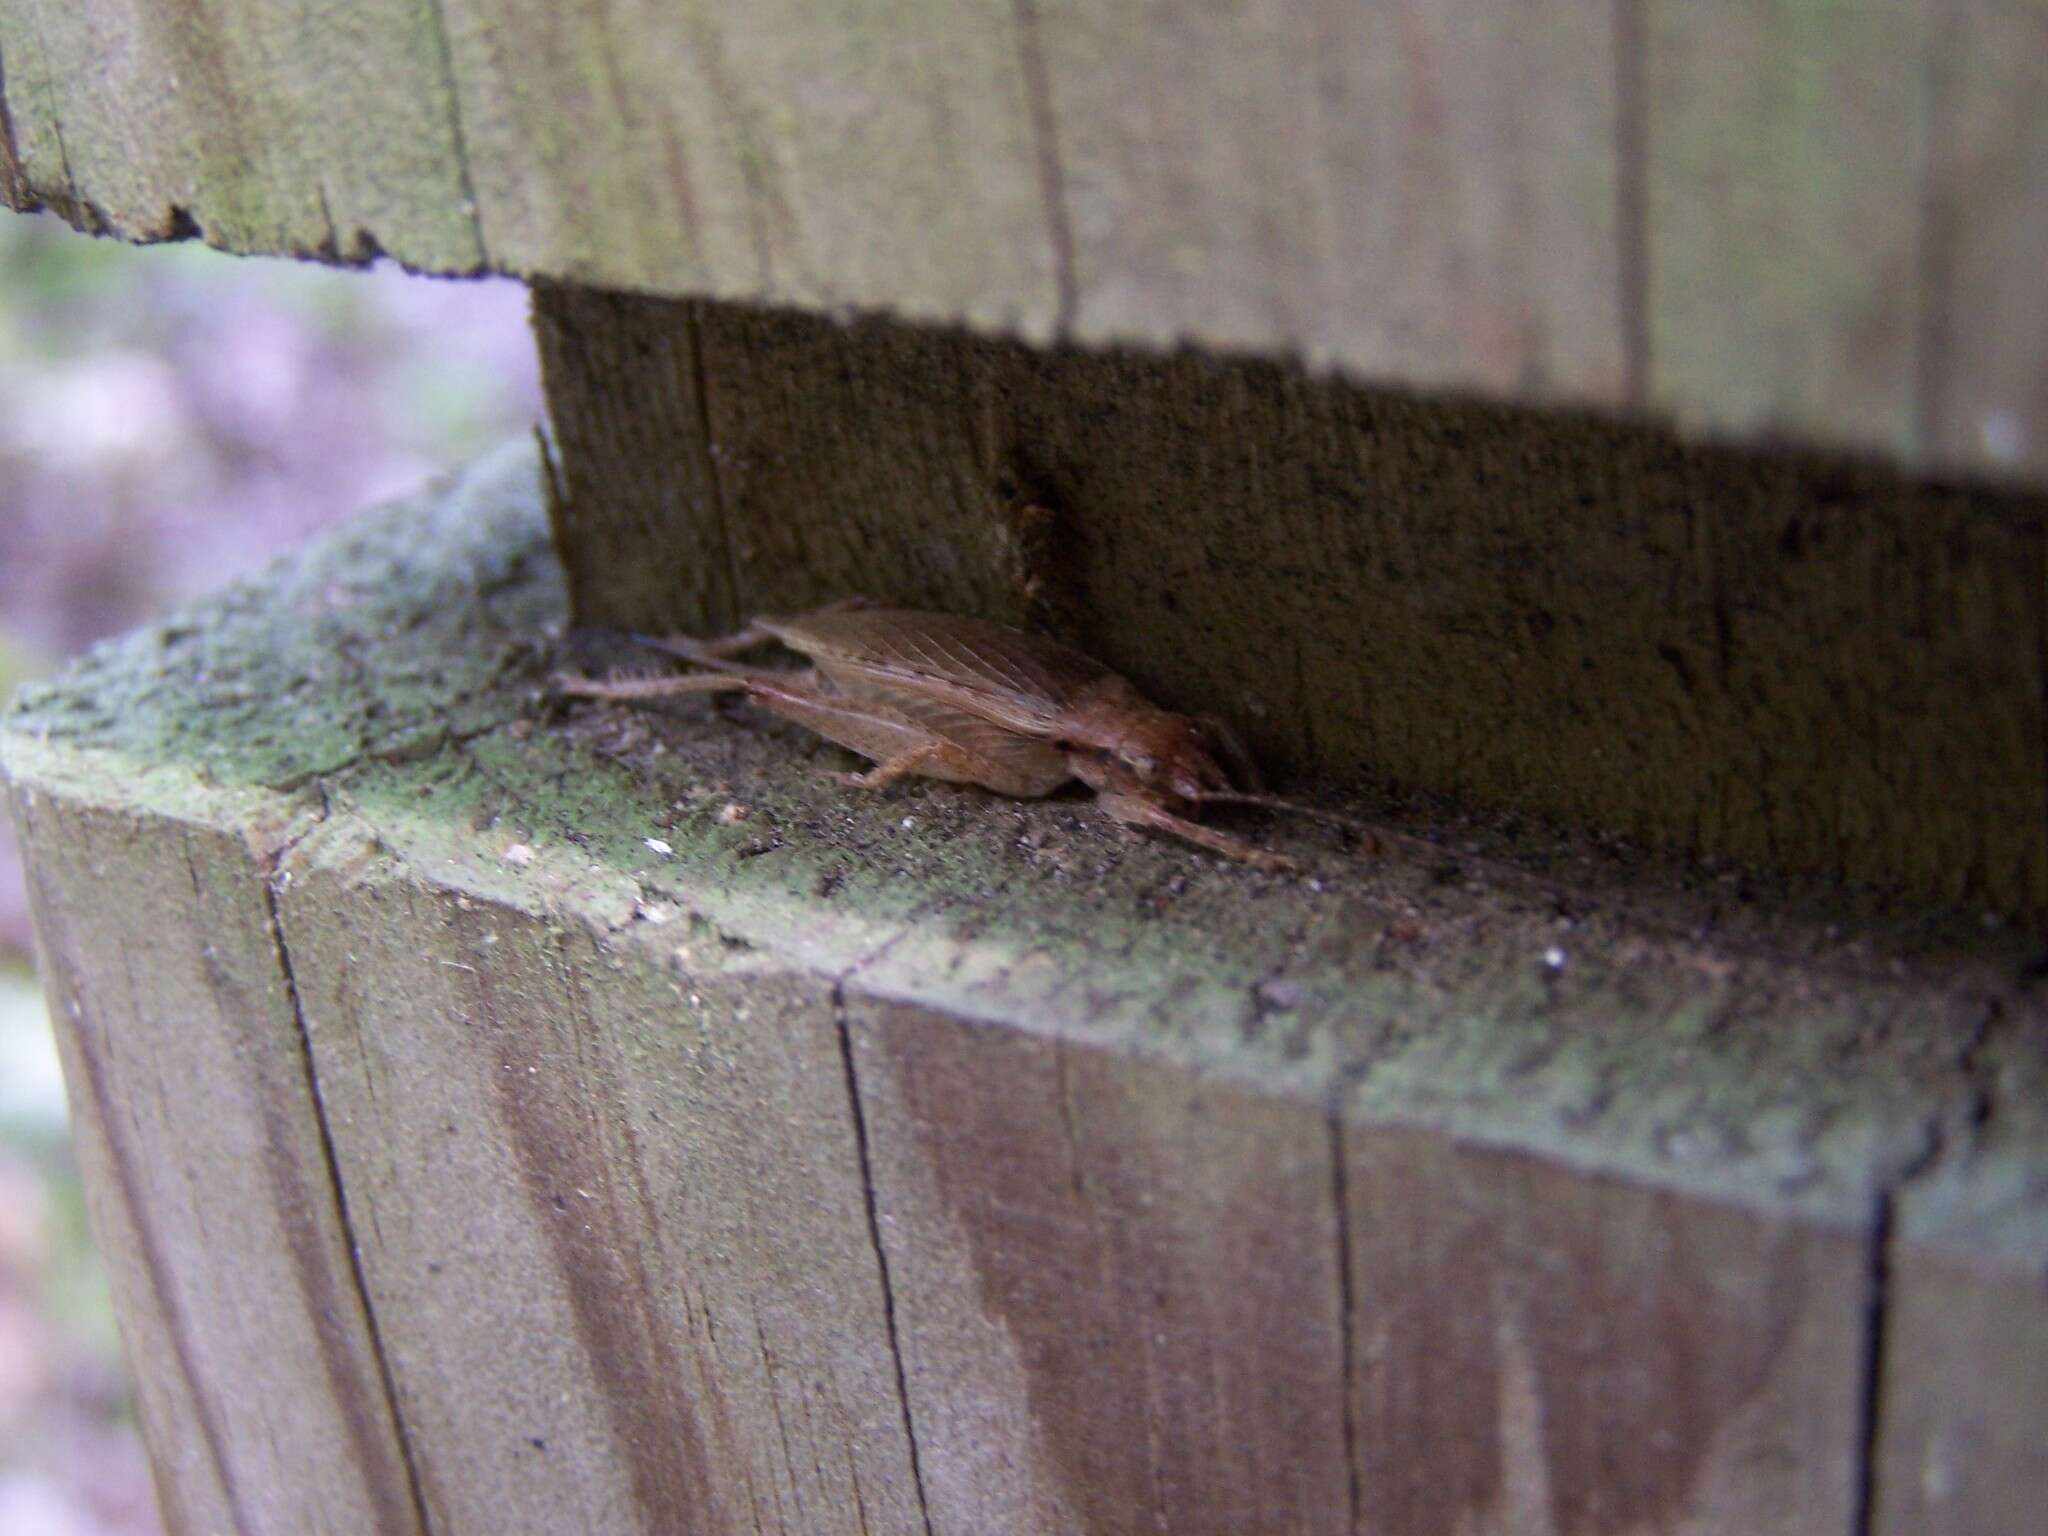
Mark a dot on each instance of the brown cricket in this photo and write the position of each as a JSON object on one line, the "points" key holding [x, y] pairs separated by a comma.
{"points": [[943, 697]]}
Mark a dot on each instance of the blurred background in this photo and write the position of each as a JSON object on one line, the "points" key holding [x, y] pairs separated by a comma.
{"points": [[170, 419]]}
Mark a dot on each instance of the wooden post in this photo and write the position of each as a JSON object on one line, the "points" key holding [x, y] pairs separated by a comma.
{"points": [[1762, 222], [603, 1118], [503, 1116]]}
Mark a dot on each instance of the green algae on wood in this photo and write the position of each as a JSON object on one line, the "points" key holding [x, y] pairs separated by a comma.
{"points": [[663, 1084]]}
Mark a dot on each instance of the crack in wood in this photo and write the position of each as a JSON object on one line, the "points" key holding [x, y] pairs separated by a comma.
{"points": [[1632, 209], [720, 518], [874, 1221], [76, 209], [15, 191], [470, 206], [1347, 1319], [1051, 179], [1870, 1405], [273, 876]]}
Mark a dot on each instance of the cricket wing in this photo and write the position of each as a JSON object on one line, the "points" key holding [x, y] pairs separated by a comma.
{"points": [[1003, 675], [885, 728], [874, 731], [1006, 761]]}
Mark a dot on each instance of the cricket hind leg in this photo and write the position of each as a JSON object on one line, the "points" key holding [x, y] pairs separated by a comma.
{"points": [[900, 746], [1135, 812], [757, 632], [929, 759], [715, 654]]}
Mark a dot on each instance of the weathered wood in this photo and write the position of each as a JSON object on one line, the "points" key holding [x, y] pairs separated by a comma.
{"points": [[1425, 192], [213, 1192], [1961, 1448], [927, 1161], [1783, 194], [652, 542], [1816, 221], [612, 1215], [1118, 1285], [648, 145], [1983, 391], [258, 1376], [1547, 1352], [323, 130], [1798, 661]]}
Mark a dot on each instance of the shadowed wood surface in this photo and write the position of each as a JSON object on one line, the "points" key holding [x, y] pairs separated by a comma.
{"points": [[725, 1151], [1760, 220], [1806, 662]]}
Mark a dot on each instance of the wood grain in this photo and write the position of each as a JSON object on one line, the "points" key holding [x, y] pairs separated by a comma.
{"points": [[1802, 661], [1423, 192], [1783, 206], [1959, 1445], [1983, 385], [612, 1214], [658, 146], [1118, 1286], [1813, 222], [325, 130], [641, 525], [724, 1151], [259, 1378], [1961, 1454], [1539, 1352]]}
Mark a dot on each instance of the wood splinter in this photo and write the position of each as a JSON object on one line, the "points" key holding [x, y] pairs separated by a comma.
{"points": [[937, 696]]}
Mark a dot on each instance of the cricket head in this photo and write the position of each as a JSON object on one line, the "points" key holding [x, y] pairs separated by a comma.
{"points": [[1141, 749], [1134, 750]]}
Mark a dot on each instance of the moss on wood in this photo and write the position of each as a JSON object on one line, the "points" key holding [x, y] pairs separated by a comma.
{"points": [[745, 1088]]}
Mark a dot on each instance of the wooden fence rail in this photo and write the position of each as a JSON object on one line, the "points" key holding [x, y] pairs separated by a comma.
{"points": [[1817, 220]]}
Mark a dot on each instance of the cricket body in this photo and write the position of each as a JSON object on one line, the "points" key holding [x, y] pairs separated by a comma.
{"points": [[938, 696]]}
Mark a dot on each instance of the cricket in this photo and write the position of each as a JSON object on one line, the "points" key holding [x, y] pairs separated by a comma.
{"points": [[939, 696]]}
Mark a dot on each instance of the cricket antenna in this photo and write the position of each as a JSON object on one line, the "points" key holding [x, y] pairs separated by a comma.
{"points": [[1381, 840], [1275, 803]]}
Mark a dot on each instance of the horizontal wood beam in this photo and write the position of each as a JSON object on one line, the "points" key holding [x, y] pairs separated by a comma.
{"points": [[507, 1117], [1807, 662], [1755, 220]]}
